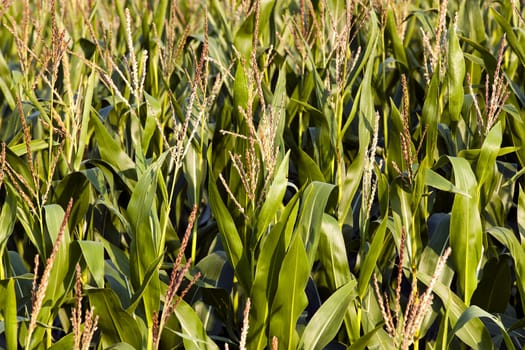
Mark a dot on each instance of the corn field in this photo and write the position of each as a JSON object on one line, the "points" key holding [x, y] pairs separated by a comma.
{"points": [[264, 174]]}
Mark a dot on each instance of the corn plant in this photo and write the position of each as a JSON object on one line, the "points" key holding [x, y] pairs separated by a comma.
{"points": [[265, 174]]}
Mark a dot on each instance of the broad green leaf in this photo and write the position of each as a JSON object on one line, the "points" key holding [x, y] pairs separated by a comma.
{"points": [[521, 216], [351, 183], [121, 346], [308, 169], [193, 333], [313, 203], [86, 111], [466, 235], [154, 108], [194, 171], [290, 298], [60, 278], [93, 253], [266, 279], [274, 197], [333, 256], [145, 249], [332, 253], [241, 87], [8, 307], [77, 186], [366, 102], [437, 181], [36, 145], [470, 20], [473, 333], [110, 150], [487, 161], [430, 118], [115, 324], [362, 342], [475, 312], [150, 279], [65, 343], [227, 228], [7, 224], [397, 42], [455, 74], [327, 320]]}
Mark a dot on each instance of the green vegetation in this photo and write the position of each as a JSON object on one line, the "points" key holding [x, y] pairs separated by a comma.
{"points": [[295, 174]]}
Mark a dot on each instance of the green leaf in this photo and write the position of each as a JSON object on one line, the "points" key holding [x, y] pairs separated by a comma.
{"points": [[332, 253], [65, 343], [437, 181], [313, 203], [110, 150], [351, 183], [366, 102], [114, 322], [475, 312], [370, 260], [145, 246], [430, 118], [83, 138], [327, 320], [93, 253], [515, 43], [193, 333], [143, 291], [471, 20], [397, 42], [473, 333], [290, 298], [240, 88], [362, 342], [36, 145], [8, 307], [486, 164], [77, 186], [60, 278], [521, 216], [266, 279], [466, 235], [194, 171], [274, 197], [455, 74], [7, 224], [227, 229], [121, 346]]}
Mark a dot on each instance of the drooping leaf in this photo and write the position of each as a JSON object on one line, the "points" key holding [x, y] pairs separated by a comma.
{"points": [[475, 312], [473, 333], [325, 323], [115, 324], [193, 333]]}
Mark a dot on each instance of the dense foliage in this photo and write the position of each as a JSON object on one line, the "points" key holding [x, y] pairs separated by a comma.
{"points": [[280, 174]]}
